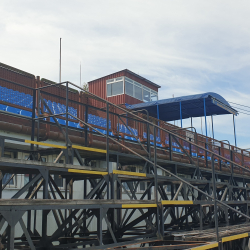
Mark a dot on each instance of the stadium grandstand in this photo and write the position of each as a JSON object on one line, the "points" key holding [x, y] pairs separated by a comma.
{"points": [[106, 168]]}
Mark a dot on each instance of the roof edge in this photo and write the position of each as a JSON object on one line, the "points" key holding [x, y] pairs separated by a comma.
{"points": [[18, 71], [130, 72]]}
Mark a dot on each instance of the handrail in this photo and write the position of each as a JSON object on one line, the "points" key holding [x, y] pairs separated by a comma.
{"points": [[165, 170], [138, 117], [152, 124]]}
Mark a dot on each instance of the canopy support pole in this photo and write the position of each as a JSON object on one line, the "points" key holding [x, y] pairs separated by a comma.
{"points": [[212, 120], [158, 117], [180, 114], [192, 123], [205, 114], [234, 132]]}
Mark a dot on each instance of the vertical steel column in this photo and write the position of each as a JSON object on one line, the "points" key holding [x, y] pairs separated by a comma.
{"points": [[180, 114], [33, 120], [205, 115], [67, 119], [170, 147], [99, 225], [2, 174], [38, 115], [11, 239], [215, 202], [86, 127], [212, 120], [235, 143], [149, 154], [158, 117], [107, 148], [45, 174], [156, 185], [32, 139]]}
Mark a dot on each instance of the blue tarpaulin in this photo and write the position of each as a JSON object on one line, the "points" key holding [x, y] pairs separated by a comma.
{"points": [[186, 106]]}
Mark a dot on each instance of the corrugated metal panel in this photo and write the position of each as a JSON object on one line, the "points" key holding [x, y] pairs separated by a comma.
{"points": [[131, 100], [98, 87], [14, 75], [118, 99]]}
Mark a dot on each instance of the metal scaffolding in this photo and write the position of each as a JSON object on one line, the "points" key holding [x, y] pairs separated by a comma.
{"points": [[191, 204]]}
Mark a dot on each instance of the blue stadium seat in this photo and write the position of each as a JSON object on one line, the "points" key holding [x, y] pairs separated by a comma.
{"points": [[72, 124], [62, 122], [3, 107], [13, 110], [26, 113]]}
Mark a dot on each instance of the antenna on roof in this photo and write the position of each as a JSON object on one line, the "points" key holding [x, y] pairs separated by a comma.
{"points": [[174, 120], [80, 75], [60, 62]]}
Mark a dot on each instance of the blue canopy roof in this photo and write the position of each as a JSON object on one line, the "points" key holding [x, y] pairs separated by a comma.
{"points": [[191, 106]]}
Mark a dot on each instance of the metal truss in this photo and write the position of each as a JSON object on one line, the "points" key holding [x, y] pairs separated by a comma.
{"points": [[206, 198]]}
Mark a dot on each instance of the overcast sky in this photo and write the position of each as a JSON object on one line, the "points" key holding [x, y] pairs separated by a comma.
{"points": [[187, 47]]}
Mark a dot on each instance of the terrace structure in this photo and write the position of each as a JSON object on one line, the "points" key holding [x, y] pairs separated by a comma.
{"points": [[80, 171]]}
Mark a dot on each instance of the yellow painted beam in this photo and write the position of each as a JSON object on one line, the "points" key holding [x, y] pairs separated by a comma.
{"points": [[129, 173], [90, 149], [45, 144], [179, 202], [204, 247], [138, 205], [82, 171], [235, 237]]}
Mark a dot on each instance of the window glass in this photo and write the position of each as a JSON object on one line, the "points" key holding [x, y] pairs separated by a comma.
{"points": [[117, 88], [109, 89], [119, 78], [146, 95], [138, 92], [111, 80], [58, 178], [129, 88], [142, 183], [7, 176], [154, 96], [128, 80], [43, 159]]}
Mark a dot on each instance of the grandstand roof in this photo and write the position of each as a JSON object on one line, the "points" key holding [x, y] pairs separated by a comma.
{"points": [[191, 106]]}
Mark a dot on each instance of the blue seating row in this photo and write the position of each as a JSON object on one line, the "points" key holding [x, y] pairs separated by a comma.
{"points": [[26, 100]]}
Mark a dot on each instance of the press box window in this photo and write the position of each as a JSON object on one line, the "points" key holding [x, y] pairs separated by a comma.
{"points": [[115, 86], [146, 94], [129, 88], [139, 91], [154, 96]]}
